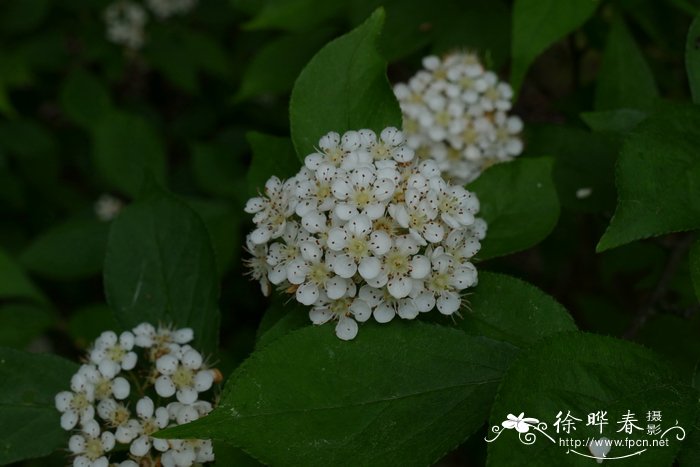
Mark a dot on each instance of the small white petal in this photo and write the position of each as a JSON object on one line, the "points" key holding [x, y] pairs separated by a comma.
{"points": [[140, 446], [164, 386], [448, 303], [346, 329], [307, 294], [384, 313], [370, 268], [187, 395], [320, 315], [336, 288], [360, 310], [120, 388], [145, 407], [399, 287], [203, 380], [420, 267]]}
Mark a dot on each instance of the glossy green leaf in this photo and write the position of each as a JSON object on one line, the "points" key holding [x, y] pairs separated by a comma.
{"points": [[281, 317], [389, 397], [218, 167], [692, 59], [508, 309], [84, 98], [584, 165], [87, 323], [625, 79], [20, 324], [694, 260], [160, 268], [275, 67], [14, 283], [585, 373], [657, 195], [125, 148], [29, 423], [71, 250], [519, 202], [344, 87], [537, 24], [272, 155]]}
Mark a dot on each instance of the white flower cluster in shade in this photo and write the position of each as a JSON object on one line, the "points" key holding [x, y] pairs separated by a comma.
{"points": [[365, 229], [126, 23], [456, 112], [126, 20], [133, 385]]}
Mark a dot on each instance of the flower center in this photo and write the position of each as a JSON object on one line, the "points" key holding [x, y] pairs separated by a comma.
{"points": [[357, 248], [93, 449], [453, 154], [335, 155], [439, 282], [323, 191], [103, 389], [79, 403], [318, 274], [466, 82], [492, 94], [362, 197], [442, 118], [116, 353], [149, 426], [339, 307], [380, 151], [470, 136], [183, 377], [417, 219], [397, 263]]}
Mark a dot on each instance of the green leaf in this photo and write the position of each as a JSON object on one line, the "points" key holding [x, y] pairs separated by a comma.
{"points": [[84, 98], [274, 68], [658, 179], [14, 283], [71, 250], [160, 268], [585, 373], [344, 87], [401, 394], [280, 318], [692, 59], [223, 224], [508, 309], [613, 121], [272, 155], [125, 148], [87, 323], [625, 79], [29, 423], [584, 165], [519, 203], [218, 167], [537, 24], [294, 15], [24, 16], [694, 256], [20, 324]]}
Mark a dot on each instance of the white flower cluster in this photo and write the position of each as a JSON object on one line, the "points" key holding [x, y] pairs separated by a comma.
{"points": [[126, 20], [456, 112], [99, 408], [365, 229], [108, 207], [126, 23]]}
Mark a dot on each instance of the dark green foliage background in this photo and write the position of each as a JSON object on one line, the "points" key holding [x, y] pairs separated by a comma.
{"points": [[184, 131]]}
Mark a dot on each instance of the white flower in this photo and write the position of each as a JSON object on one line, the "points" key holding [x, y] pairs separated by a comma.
{"points": [[165, 361], [346, 311], [367, 215], [182, 374], [112, 354], [457, 113], [91, 445], [126, 21], [107, 207]]}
